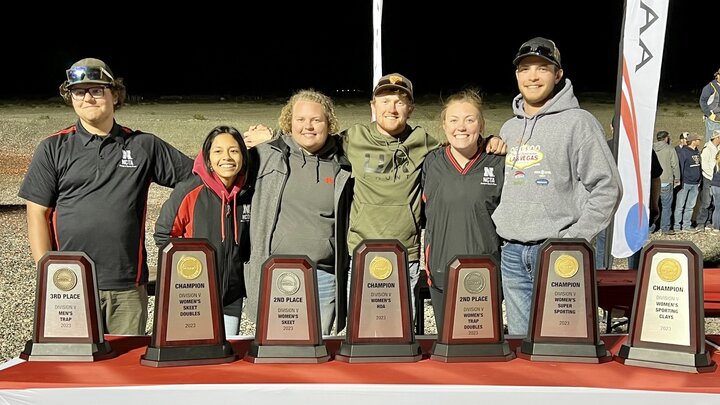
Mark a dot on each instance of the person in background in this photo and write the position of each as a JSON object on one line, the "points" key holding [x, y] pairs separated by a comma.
{"points": [[669, 179], [461, 187], [689, 161], [215, 204], [682, 141], [710, 105], [86, 190], [301, 203], [559, 172], [706, 200], [715, 188]]}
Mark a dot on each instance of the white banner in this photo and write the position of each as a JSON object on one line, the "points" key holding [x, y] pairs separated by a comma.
{"points": [[642, 44]]}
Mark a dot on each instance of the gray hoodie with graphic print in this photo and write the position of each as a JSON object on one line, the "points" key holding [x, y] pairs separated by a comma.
{"points": [[561, 180]]}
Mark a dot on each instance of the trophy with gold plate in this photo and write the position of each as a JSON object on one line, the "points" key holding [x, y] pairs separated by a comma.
{"points": [[563, 318], [667, 327], [380, 316], [68, 325], [188, 326]]}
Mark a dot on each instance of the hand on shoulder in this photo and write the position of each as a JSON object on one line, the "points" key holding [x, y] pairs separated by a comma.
{"points": [[257, 134], [496, 146]]}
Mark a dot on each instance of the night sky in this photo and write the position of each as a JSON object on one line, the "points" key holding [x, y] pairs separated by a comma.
{"points": [[274, 48]]}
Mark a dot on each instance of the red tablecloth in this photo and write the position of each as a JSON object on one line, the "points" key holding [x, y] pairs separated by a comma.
{"points": [[125, 370]]}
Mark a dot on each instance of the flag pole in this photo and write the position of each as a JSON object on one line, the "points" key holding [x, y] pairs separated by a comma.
{"points": [[377, 45], [607, 249]]}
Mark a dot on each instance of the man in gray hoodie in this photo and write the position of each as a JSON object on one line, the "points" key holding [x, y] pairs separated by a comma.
{"points": [[561, 180], [669, 179]]}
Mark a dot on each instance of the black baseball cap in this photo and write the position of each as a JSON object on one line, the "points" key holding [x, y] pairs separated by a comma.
{"points": [[541, 47]]}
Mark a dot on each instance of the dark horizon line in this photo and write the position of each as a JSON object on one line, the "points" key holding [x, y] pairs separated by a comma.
{"points": [[680, 95]]}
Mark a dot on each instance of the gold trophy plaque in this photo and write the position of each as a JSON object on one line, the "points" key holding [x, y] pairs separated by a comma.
{"points": [[667, 327], [380, 317], [188, 327], [563, 318]]}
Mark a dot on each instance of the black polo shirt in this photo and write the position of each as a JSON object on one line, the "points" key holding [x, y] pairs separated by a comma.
{"points": [[97, 188], [459, 204]]}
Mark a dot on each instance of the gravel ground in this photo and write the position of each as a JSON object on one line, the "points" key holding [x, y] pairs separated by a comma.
{"points": [[18, 278]]}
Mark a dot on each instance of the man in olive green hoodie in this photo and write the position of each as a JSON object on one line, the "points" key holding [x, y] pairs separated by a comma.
{"points": [[386, 159]]}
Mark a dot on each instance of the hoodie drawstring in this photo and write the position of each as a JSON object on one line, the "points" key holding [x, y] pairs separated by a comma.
{"points": [[226, 203], [222, 218], [235, 224]]}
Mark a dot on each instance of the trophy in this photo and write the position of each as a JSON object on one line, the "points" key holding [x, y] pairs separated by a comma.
{"points": [[288, 328], [188, 327], [667, 327], [472, 328], [68, 324], [380, 317], [563, 318]]}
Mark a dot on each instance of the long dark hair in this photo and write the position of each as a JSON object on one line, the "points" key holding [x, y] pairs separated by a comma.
{"points": [[225, 129]]}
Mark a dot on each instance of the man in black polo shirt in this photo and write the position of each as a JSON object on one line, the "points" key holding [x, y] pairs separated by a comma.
{"points": [[86, 190]]}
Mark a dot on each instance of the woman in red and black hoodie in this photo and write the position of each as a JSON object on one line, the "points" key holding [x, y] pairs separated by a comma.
{"points": [[215, 204]]}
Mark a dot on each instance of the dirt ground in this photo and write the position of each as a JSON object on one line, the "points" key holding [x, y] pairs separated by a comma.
{"points": [[185, 124]]}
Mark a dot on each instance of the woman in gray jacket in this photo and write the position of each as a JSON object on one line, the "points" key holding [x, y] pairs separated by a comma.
{"points": [[301, 203]]}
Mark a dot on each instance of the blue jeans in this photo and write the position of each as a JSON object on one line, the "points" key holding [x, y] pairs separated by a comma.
{"points": [[704, 217], [231, 317], [716, 214], [684, 205], [710, 126], [326, 299], [666, 199], [518, 265], [600, 250], [413, 275], [633, 261]]}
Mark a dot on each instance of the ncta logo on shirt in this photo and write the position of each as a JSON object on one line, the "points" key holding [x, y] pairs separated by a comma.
{"points": [[488, 176], [127, 160]]}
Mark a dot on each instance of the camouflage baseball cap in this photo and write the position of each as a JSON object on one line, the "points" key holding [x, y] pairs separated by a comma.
{"points": [[541, 47], [395, 81], [89, 71]]}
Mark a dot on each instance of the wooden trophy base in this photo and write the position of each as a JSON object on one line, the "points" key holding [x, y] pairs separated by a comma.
{"points": [[188, 355], [564, 352], [379, 353], [287, 354], [477, 352], [695, 363], [85, 352]]}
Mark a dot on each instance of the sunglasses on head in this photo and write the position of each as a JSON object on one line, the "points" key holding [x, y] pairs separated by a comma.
{"points": [[539, 50], [81, 73]]}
